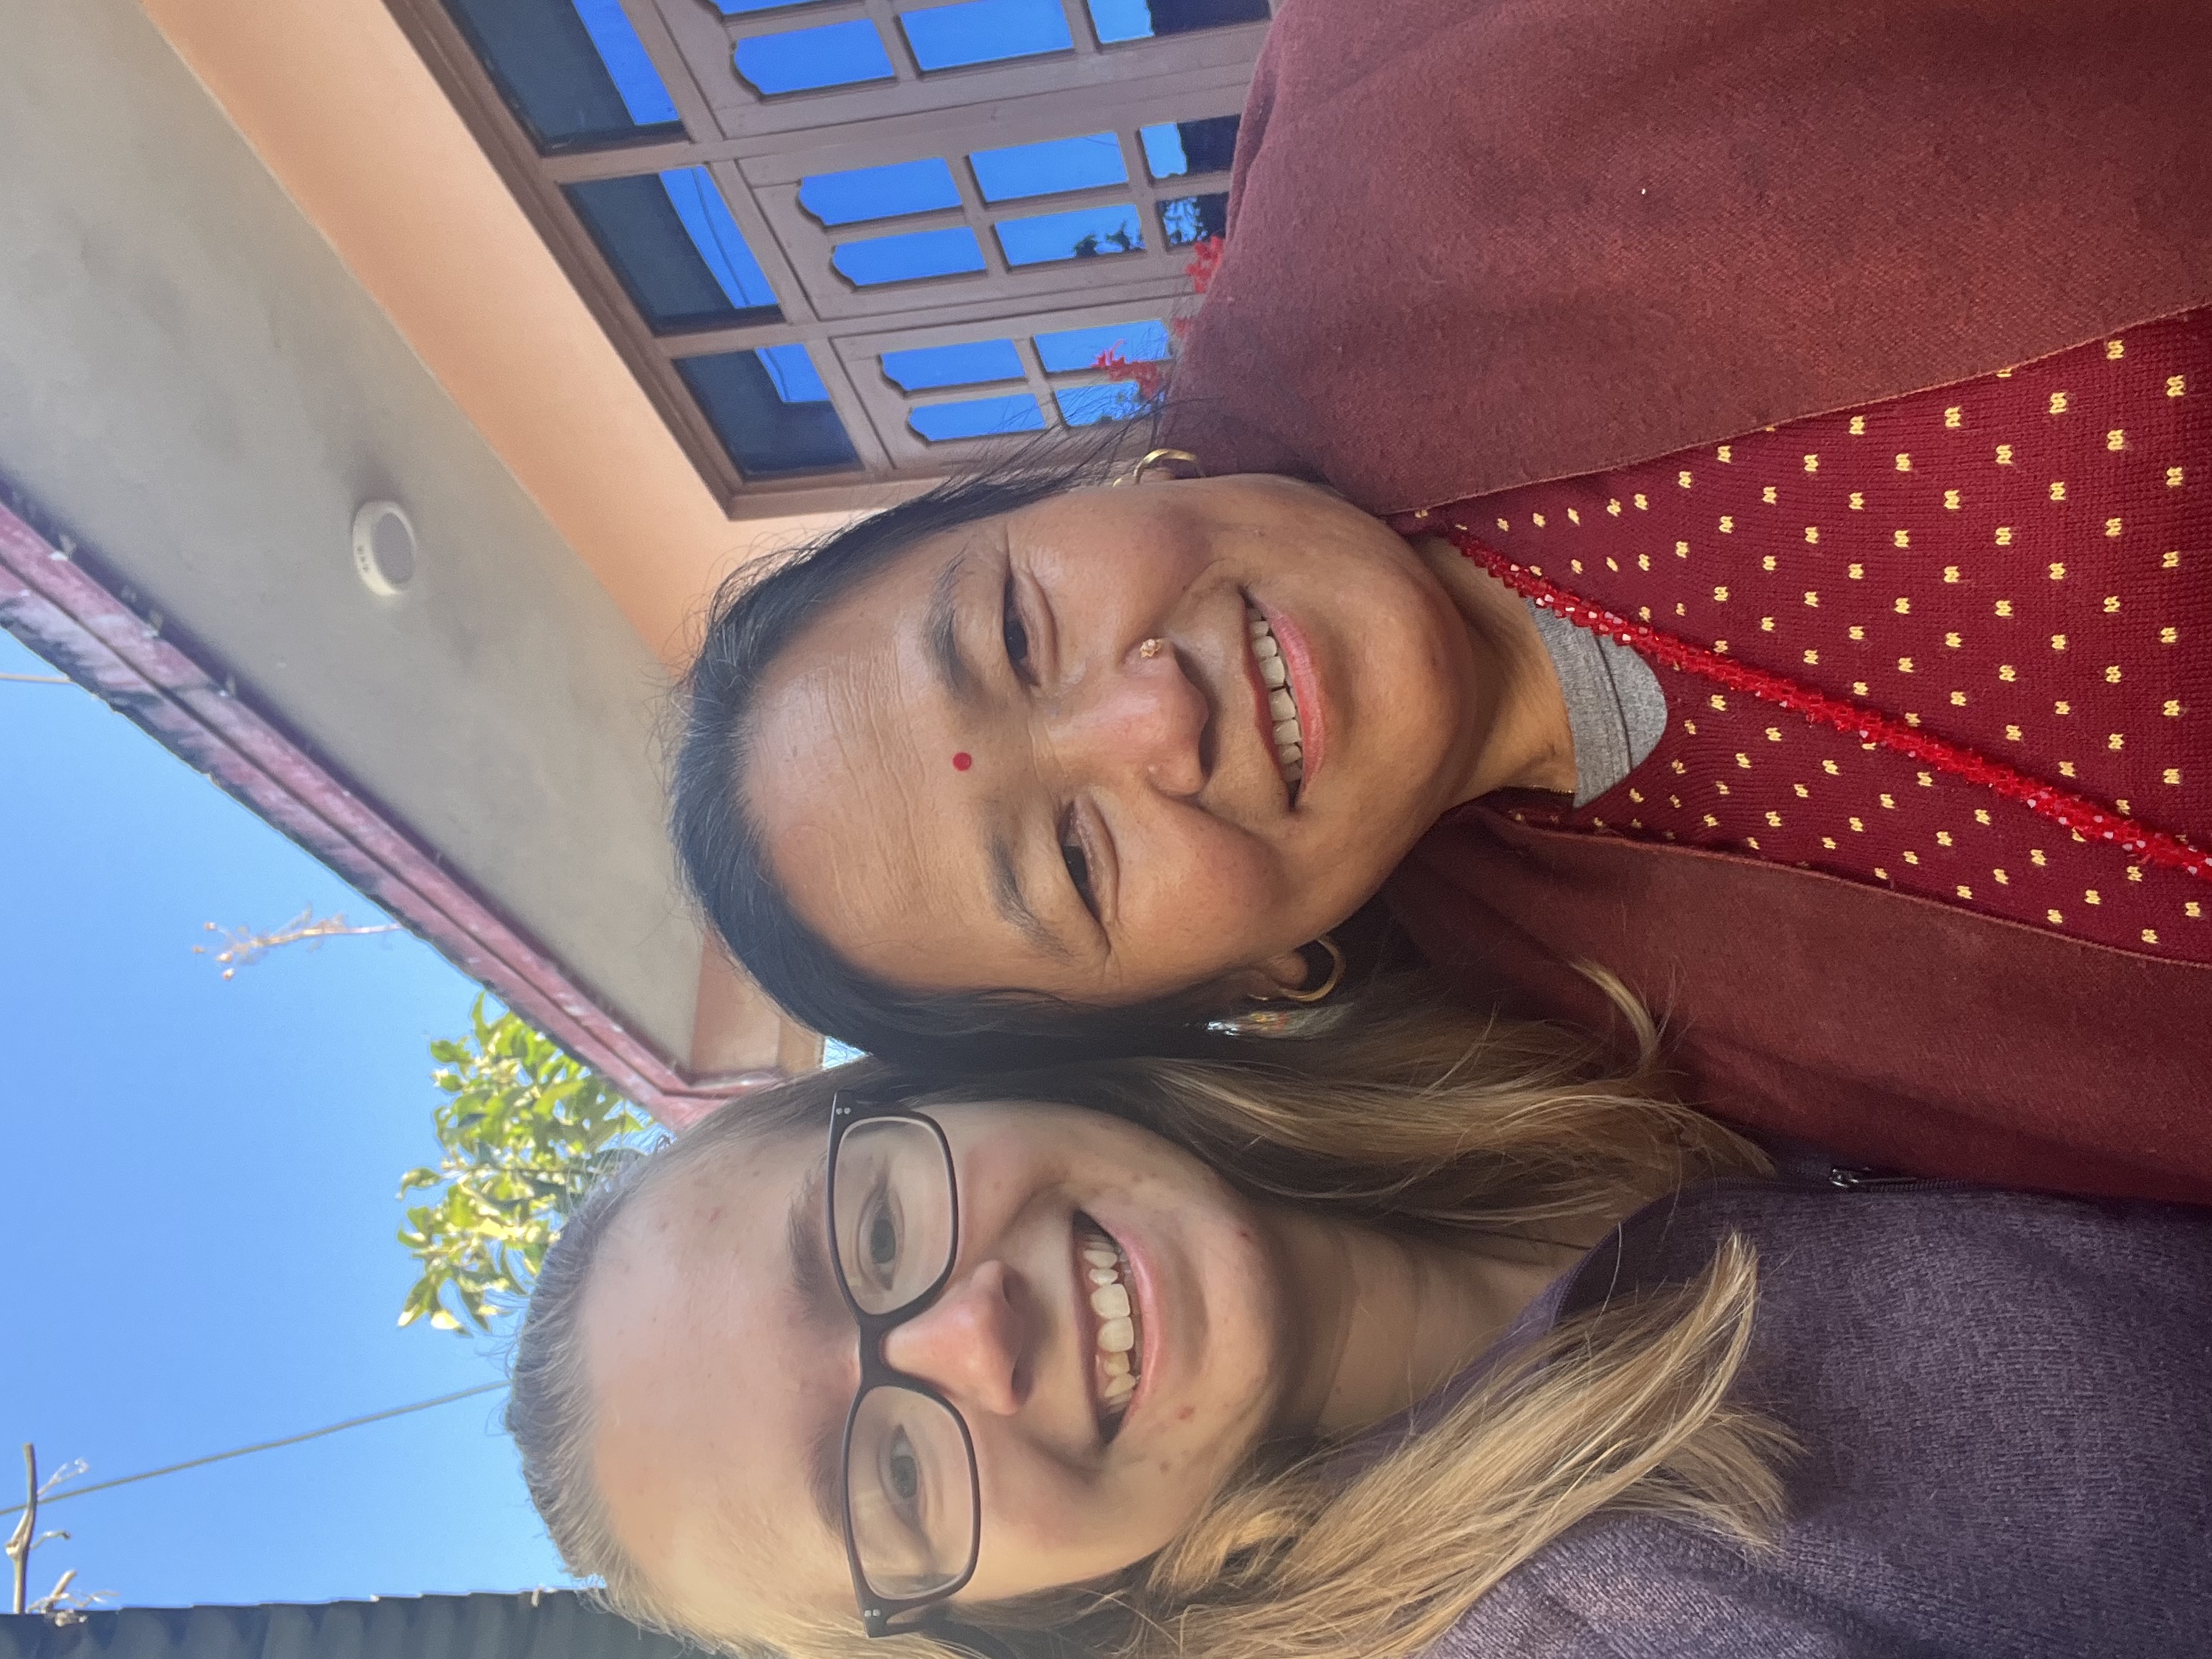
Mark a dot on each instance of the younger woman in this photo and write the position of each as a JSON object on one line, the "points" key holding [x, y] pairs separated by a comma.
{"points": [[1415, 1338]]}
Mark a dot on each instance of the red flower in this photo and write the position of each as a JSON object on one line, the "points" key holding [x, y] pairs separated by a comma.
{"points": [[1205, 262], [1150, 378]]}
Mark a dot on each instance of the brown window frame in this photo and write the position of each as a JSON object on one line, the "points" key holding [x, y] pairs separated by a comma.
{"points": [[758, 149]]}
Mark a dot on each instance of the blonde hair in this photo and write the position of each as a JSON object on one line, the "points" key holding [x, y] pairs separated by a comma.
{"points": [[1409, 1114]]}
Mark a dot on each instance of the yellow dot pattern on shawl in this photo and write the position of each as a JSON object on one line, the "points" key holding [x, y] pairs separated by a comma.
{"points": [[2018, 538]]}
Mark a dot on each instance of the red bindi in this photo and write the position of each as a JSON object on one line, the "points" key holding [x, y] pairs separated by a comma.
{"points": [[962, 761]]}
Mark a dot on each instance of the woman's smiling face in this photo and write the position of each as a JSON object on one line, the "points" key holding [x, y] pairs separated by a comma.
{"points": [[1117, 744], [722, 1360]]}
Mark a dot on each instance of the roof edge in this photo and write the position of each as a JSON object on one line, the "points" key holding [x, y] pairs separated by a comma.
{"points": [[54, 599]]}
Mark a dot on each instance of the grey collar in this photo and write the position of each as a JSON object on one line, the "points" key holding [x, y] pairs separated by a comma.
{"points": [[1615, 709]]}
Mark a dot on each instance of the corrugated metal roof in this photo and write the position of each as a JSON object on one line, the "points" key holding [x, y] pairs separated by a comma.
{"points": [[534, 1625]]}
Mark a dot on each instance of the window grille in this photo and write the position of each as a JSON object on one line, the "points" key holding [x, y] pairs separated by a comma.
{"points": [[842, 242]]}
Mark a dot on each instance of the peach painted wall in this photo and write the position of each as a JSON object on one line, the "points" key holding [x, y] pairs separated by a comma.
{"points": [[334, 100], [343, 113]]}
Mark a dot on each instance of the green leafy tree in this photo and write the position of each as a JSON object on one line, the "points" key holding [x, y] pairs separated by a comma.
{"points": [[525, 1130]]}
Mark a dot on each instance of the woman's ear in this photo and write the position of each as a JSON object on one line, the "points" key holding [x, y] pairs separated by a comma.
{"points": [[1272, 980]]}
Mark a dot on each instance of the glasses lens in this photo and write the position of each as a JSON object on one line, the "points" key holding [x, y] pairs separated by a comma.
{"points": [[910, 1488], [892, 1211]]}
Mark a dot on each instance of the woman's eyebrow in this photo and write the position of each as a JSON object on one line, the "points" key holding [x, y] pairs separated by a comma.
{"points": [[804, 1229], [817, 1290], [941, 632], [1008, 898], [825, 1473]]}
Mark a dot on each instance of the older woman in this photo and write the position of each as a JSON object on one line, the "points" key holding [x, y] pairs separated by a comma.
{"points": [[1377, 1347], [1860, 725]]}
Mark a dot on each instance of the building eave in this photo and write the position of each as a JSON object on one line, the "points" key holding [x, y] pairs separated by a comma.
{"points": [[54, 598]]}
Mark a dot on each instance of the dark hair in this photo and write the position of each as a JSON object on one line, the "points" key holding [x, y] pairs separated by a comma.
{"points": [[751, 622]]}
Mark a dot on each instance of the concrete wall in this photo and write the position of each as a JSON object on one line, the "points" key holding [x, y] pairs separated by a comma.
{"points": [[194, 384]]}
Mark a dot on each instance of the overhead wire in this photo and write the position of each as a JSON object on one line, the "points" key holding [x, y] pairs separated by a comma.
{"points": [[259, 1446]]}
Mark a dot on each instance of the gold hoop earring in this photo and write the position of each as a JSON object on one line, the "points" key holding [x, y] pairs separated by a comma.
{"points": [[1154, 458], [1314, 993]]}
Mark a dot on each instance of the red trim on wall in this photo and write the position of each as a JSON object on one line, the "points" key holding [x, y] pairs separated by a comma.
{"points": [[86, 629]]}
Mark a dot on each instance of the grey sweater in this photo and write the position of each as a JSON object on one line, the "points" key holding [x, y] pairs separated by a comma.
{"points": [[2006, 1408]]}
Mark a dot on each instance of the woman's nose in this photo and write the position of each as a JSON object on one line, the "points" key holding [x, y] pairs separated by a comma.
{"points": [[968, 1342], [1140, 716]]}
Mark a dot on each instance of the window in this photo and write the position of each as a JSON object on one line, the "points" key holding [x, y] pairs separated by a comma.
{"points": [[1084, 163], [875, 234], [1176, 148], [770, 409], [807, 60], [985, 31], [978, 417], [1080, 348], [924, 368], [671, 240], [918, 253], [1084, 233], [573, 71], [1188, 219], [1138, 19], [1087, 405], [844, 198]]}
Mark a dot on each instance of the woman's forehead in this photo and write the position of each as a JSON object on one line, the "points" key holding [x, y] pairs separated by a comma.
{"points": [[707, 1377], [897, 814]]}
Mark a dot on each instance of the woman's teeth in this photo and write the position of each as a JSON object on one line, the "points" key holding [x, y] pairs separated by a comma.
{"points": [[1106, 1269], [1290, 740]]}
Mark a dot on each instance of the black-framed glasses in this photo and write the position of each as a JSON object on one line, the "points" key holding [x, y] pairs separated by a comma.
{"points": [[913, 1499]]}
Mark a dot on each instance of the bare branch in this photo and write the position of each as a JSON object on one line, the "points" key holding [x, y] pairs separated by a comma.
{"points": [[21, 1541], [66, 1605], [242, 946], [69, 1471]]}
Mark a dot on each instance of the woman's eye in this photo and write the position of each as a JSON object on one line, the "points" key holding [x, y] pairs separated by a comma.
{"points": [[1015, 633], [1079, 872], [879, 1242], [902, 1473], [883, 1241]]}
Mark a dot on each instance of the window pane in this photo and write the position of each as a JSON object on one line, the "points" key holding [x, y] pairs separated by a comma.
{"points": [[572, 70], [1080, 348], [1174, 148], [670, 239], [979, 417], [741, 7], [1084, 163], [767, 433], [918, 253], [1087, 405], [835, 55], [972, 363], [842, 199], [790, 370], [1085, 234], [985, 31], [1192, 218], [1136, 19]]}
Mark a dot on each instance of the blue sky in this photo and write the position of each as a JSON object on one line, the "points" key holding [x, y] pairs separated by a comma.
{"points": [[198, 1187]]}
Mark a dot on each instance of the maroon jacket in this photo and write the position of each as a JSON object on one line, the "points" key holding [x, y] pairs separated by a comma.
{"points": [[1474, 246]]}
